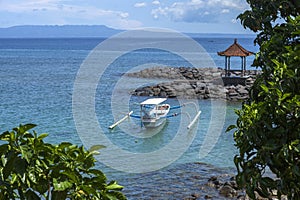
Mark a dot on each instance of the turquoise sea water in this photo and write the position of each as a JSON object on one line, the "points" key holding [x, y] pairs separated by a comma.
{"points": [[36, 86]]}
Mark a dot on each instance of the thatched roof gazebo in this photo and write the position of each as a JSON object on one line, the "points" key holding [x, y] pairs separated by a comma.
{"points": [[235, 50]]}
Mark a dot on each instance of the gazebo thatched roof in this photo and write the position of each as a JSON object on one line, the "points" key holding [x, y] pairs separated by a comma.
{"points": [[235, 50]]}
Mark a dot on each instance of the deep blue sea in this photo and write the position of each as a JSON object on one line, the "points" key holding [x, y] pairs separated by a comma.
{"points": [[37, 79]]}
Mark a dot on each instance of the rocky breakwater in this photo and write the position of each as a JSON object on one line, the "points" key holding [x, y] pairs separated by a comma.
{"points": [[200, 83], [228, 188]]}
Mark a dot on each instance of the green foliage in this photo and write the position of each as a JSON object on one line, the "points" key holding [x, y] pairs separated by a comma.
{"points": [[267, 132], [33, 169]]}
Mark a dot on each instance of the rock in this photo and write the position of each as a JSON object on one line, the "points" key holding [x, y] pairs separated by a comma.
{"points": [[188, 75], [208, 196], [233, 94], [156, 91], [228, 191], [162, 94], [241, 98], [207, 73], [207, 91], [211, 184], [233, 184], [242, 91], [216, 74], [189, 198], [196, 196], [258, 197], [199, 91], [201, 83], [206, 96], [218, 184], [213, 178], [241, 197]]}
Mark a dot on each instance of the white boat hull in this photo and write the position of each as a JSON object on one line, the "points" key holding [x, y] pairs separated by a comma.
{"points": [[153, 123]]}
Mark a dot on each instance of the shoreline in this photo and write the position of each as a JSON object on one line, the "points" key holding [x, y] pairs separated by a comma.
{"points": [[199, 83], [184, 181], [189, 181]]}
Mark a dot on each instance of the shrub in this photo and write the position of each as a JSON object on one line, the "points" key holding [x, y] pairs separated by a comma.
{"points": [[33, 169]]}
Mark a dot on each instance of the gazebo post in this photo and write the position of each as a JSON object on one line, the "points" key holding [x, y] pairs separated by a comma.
{"points": [[242, 66], [228, 72], [225, 65]]}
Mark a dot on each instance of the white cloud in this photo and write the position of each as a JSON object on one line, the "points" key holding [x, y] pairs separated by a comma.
{"points": [[159, 11], [57, 6], [125, 24], [199, 10], [124, 14], [140, 4], [225, 11], [155, 2], [65, 12]]}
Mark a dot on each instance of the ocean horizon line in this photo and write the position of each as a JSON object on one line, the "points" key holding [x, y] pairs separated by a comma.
{"points": [[88, 31]]}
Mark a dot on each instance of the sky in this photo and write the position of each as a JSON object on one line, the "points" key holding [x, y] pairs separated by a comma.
{"points": [[193, 16]]}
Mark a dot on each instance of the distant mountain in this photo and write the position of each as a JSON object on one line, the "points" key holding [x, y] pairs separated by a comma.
{"points": [[53, 31]]}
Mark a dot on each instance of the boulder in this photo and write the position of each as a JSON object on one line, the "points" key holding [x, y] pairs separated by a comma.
{"points": [[228, 191], [242, 91]]}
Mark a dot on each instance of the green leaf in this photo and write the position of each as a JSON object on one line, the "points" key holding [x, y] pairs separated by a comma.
{"points": [[32, 177], [42, 136], [20, 166], [7, 170], [98, 173], [30, 195], [114, 186], [88, 190], [61, 186], [229, 128], [12, 137], [296, 170], [96, 147], [4, 148], [262, 191], [42, 186], [64, 145], [24, 128], [58, 195], [115, 195], [5, 136], [265, 88], [72, 175]]}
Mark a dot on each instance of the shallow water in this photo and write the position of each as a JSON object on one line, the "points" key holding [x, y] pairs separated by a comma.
{"points": [[178, 182], [36, 86]]}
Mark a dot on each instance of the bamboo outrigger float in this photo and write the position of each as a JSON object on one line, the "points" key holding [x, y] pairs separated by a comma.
{"points": [[154, 112]]}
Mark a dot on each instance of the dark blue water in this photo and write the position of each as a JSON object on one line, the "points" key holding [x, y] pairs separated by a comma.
{"points": [[36, 86]]}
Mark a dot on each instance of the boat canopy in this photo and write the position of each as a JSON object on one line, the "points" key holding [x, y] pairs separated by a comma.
{"points": [[153, 101]]}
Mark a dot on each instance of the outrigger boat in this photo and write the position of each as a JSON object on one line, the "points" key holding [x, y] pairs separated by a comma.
{"points": [[153, 113]]}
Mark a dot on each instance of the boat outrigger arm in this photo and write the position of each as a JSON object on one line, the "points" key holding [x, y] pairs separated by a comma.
{"points": [[153, 113], [121, 120]]}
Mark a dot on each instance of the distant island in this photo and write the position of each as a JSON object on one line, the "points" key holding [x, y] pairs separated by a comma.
{"points": [[55, 31], [83, 31]]}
